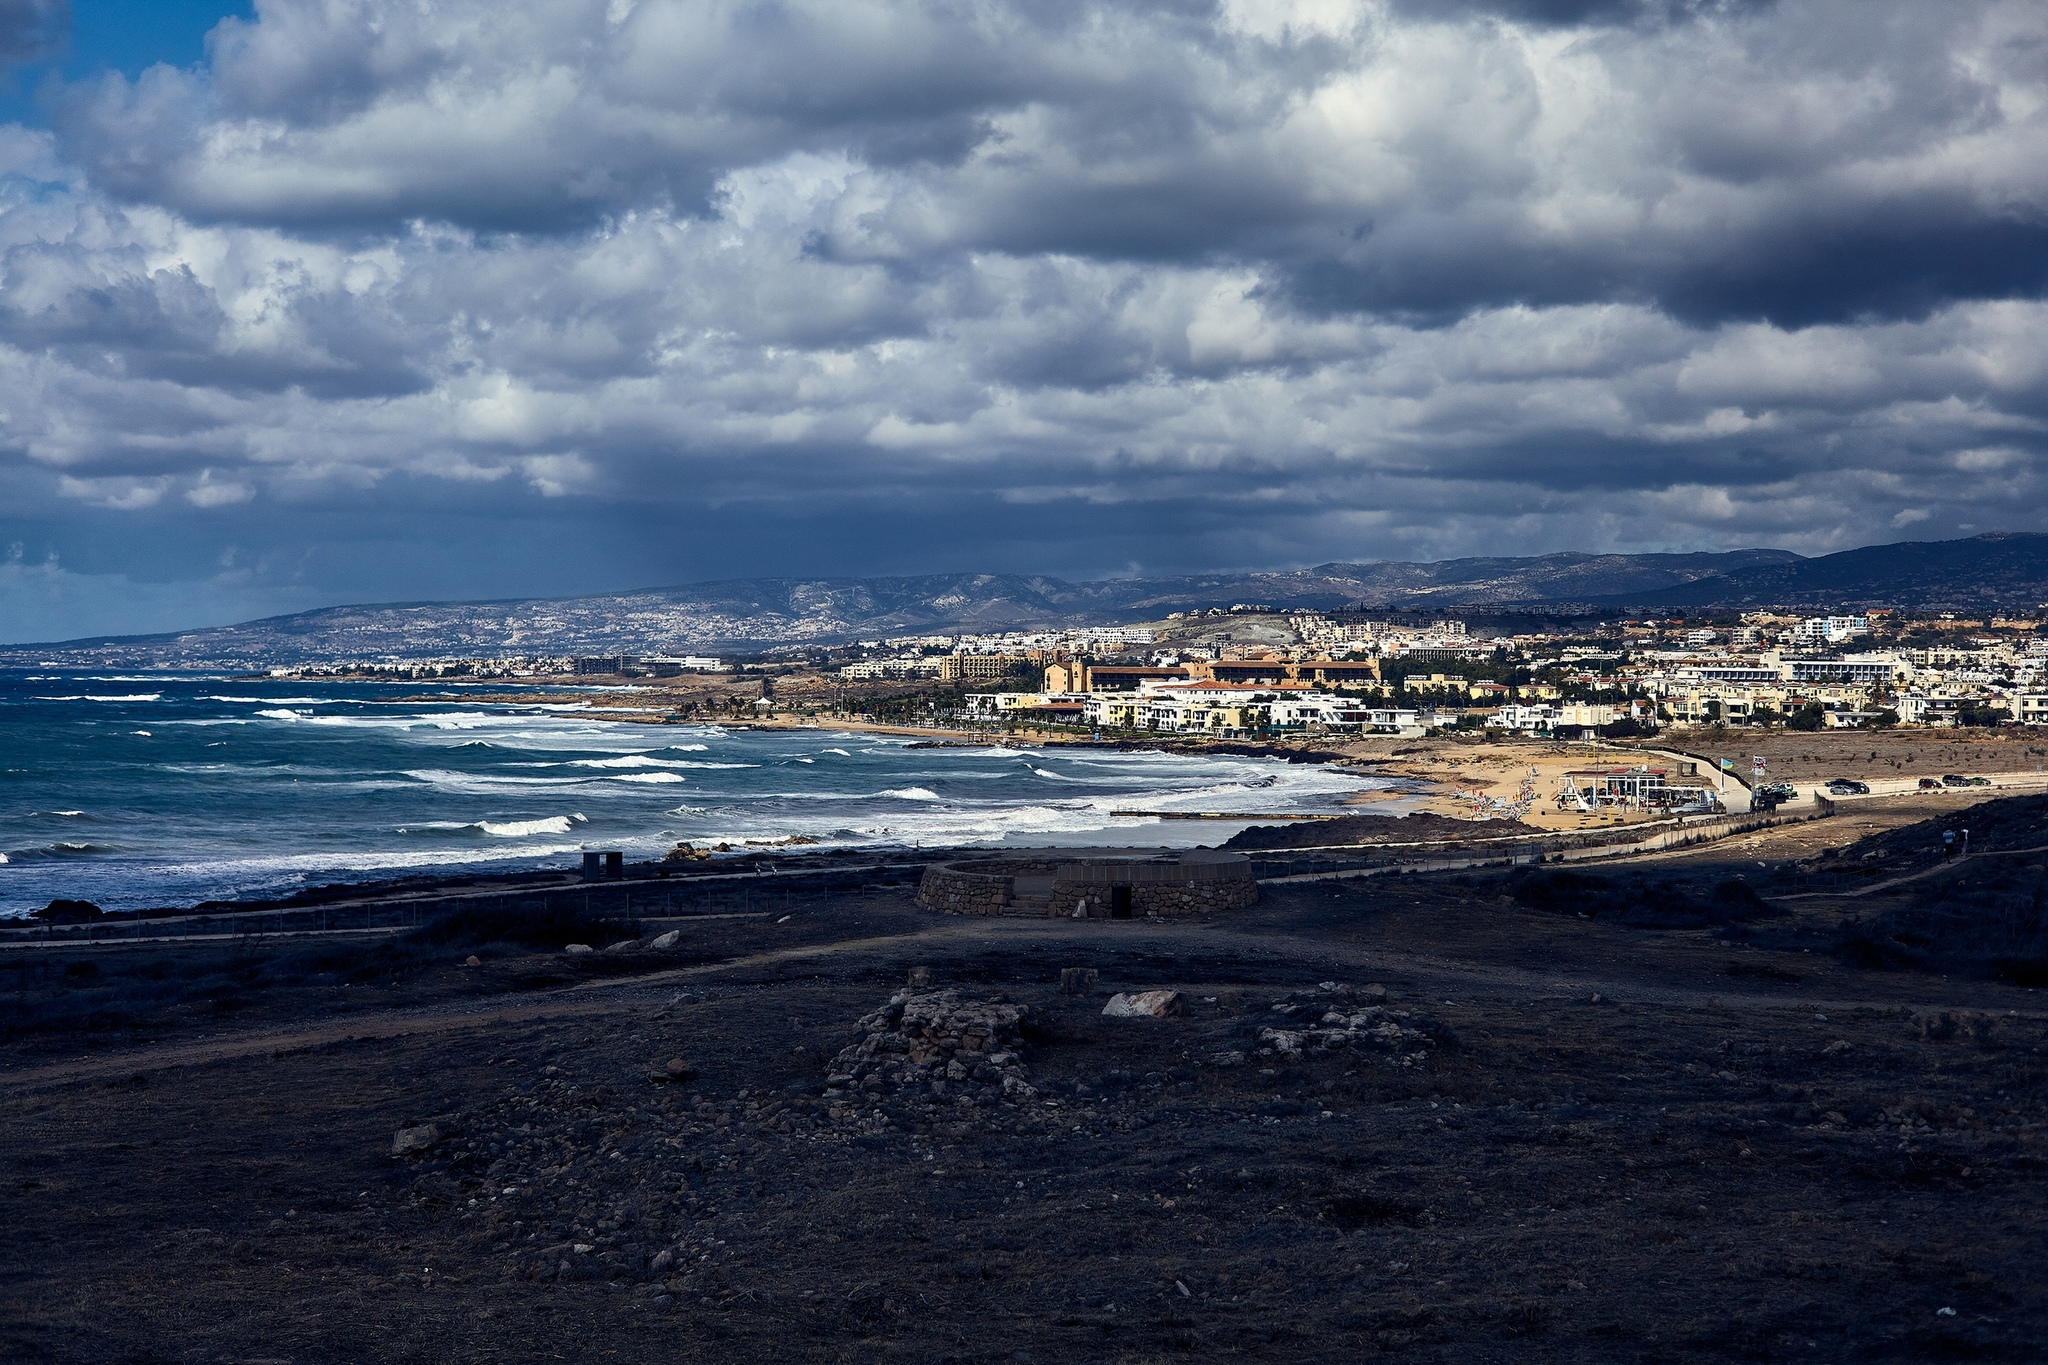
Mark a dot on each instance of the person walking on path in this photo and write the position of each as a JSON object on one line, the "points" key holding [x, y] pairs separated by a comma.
{"points": [[1948, 845]]}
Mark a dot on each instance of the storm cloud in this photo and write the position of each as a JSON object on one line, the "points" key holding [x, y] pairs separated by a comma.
{"points": [[399, 299]]}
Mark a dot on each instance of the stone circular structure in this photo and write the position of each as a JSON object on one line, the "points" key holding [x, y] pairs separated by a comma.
{"points": [[1092, 884]]}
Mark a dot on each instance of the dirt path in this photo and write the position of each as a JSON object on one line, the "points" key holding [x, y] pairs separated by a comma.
{"points": [[1438, 975]]}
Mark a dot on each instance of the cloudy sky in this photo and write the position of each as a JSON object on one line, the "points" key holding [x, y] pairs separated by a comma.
{"points": [[311, 301]]}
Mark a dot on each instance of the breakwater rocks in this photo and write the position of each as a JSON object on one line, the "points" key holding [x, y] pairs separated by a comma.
{"points": [[1102, 885]]}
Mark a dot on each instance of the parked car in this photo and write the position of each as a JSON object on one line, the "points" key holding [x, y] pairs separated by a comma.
{"points": [[1928, 784], [1954, 780], [1778, 791], [1980, 782], [1847, 786]]}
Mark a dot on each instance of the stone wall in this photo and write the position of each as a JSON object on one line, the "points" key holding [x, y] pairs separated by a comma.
{"points": [[954, 892], [1158, 887], [1205, 897]]}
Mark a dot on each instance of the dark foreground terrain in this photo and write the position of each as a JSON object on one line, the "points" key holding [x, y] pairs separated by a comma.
{"points": [[1692, 1109]]}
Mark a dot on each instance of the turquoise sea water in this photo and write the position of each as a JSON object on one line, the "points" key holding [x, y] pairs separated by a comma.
{"points": [[152, 790]]}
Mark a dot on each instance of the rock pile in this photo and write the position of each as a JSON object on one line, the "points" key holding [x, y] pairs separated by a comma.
{"points": [[959, 1051], [1334, 1017]]}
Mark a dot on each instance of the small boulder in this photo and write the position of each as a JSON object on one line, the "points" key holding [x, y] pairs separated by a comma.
{"points": [[472, 961], [1146, 1005], [624, 945], [413, 1141], [579, 948], [1077, 980], [675, 1069], [666, 941]]}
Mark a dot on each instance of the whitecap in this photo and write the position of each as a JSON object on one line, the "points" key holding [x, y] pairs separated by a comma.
{"points": [[526, 829], [841, 752], [646, 777], [139, 696], [625, 761], [282, 715], [910, 794], [144, 733]]}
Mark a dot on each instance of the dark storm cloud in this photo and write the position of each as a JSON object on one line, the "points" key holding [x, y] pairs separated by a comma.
{"points": [[32, 28], [395, 300]]}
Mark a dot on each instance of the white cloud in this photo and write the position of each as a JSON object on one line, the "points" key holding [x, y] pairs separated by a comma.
{"points": [[1320, 279]]}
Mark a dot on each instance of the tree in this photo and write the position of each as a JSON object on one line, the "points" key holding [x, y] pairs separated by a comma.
{"points": [[1812, 716]]}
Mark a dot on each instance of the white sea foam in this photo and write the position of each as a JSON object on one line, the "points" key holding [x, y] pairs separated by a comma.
{"points": [[143, 733], [911, 793], [446, 780], [625, 761], [282, 715], [645, 777], [526, 829], [686, 748], [501, 829], [841, 752], [138, 696], [275, 701]]}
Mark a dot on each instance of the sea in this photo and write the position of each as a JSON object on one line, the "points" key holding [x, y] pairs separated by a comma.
{"points": [[137, 791]]}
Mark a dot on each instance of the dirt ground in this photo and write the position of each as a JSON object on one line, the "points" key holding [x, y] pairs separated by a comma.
{"points": [[1567, 1132], [1866, 754]]}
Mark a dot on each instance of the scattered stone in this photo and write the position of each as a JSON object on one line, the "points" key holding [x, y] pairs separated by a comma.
{"points": [[472, 961], [920, 977], [624, 945], [1146, 1005], [579, 948], [1077, 980], [413, 1141], [1334, 1017], [666, 941]]}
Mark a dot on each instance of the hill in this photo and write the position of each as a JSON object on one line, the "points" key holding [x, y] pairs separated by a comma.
{"points": [[2009, 571]]}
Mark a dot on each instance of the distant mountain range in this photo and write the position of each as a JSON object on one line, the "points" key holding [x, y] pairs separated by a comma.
{"points": [[2008, 572]]}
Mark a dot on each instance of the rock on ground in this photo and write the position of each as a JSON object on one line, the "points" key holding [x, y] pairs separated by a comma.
{"points": [[1146, 1005]]}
